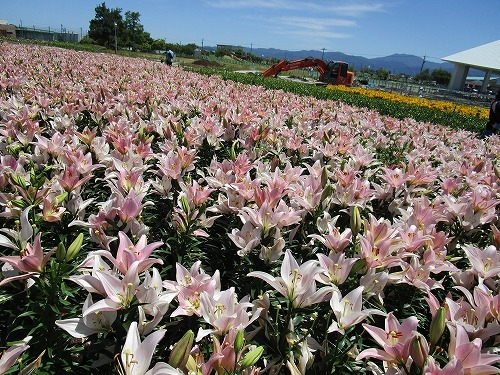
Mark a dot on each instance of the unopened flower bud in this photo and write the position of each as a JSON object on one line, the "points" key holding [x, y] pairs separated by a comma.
{"points": [[355, 220], [233, 151], [251, 357], [75, 247], [238, 342], [497, 169], [184, 204], [419, 350], [358, 266], [180, 353], [327, 191], [61, 197], [438, 325], [324, 177], [61, 252]]}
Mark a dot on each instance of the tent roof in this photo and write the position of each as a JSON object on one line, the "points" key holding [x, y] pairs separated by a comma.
{"points": [[486, 56]]}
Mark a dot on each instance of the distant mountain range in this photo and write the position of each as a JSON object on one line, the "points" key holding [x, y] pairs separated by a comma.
{"points": [[396, 64]]}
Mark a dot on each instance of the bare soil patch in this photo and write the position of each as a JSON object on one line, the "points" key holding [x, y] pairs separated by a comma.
{"points": [[208, 63]]}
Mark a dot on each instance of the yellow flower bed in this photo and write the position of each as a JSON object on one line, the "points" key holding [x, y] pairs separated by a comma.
{"points": [[467, 110]]}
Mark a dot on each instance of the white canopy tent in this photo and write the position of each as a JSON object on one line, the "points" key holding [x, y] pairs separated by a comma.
{"points": [[485, 58]]}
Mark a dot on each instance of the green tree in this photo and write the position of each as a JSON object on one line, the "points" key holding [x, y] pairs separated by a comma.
{"points": [[87, 40], [441, 76], [223, 51], [134, 36], [102, 27], [158, 45], [383, 73], [423, 76]]}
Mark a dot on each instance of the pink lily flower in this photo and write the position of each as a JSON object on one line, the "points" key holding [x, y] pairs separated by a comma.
{"points": [[189, 286], [374, 283], [454, 367], [394, 339], [469, 353], [32, 261], [128, 253], [135, 357], [130, 206], [486, 263], [51, 211], [395, 177], [336, 268], [241, 165], [223, 311], [10, 356], [334, 240], [71, 178], [196, 194], [90, 324], [154, 301], [267, 218], [246, 239], [170, 165], [474, 316], [119, 292], [296, 283], [378, 254], [18, 239], [348, 311]]}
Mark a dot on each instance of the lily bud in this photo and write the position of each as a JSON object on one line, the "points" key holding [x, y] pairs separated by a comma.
{"points": [[327, 191], [180, 353], [191, 366], [184, 204], [61, 197], [419, 350], [324, 177], [75, 247], [358, 266], [238, 342], [61, 252], [355, 220], [232, 154], [251, 357], [497, 170], [438, 325]]}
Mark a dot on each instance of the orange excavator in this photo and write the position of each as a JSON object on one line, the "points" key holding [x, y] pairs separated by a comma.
{"points": [[332, 72]]}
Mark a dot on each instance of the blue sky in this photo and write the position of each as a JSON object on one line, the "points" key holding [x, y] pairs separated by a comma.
{"points": [[368, 28]]}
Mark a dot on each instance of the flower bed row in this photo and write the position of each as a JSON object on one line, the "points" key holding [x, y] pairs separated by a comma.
{"points": [[447, 114], [443, 106], [159, 221]]}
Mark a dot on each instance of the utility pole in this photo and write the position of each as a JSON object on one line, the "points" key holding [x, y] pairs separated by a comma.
{"points": [[323, 54], [116, 41], [423, 62], [251, 48]]}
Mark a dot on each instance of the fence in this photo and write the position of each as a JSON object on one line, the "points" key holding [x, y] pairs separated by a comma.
{"points": [[47, 35]]}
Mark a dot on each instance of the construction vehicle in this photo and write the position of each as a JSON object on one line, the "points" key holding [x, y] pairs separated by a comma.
{"points": [[332, 72]]}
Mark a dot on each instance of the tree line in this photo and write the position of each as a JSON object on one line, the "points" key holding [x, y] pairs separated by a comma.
{"points": [[112, 29]]}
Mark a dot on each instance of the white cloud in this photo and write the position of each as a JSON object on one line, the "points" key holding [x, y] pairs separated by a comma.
{"points": [[314, 23], [256, 4], [319, 20], [344, 8]]}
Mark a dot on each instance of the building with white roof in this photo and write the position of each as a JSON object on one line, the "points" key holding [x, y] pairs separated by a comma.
{"points": [[485, 58]]}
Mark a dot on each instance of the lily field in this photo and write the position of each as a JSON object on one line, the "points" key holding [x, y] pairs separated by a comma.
{"points": [[156, 220]]}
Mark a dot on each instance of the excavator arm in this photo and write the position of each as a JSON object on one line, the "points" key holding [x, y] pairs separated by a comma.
{"points": [[333, 72], [285, 65]]}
